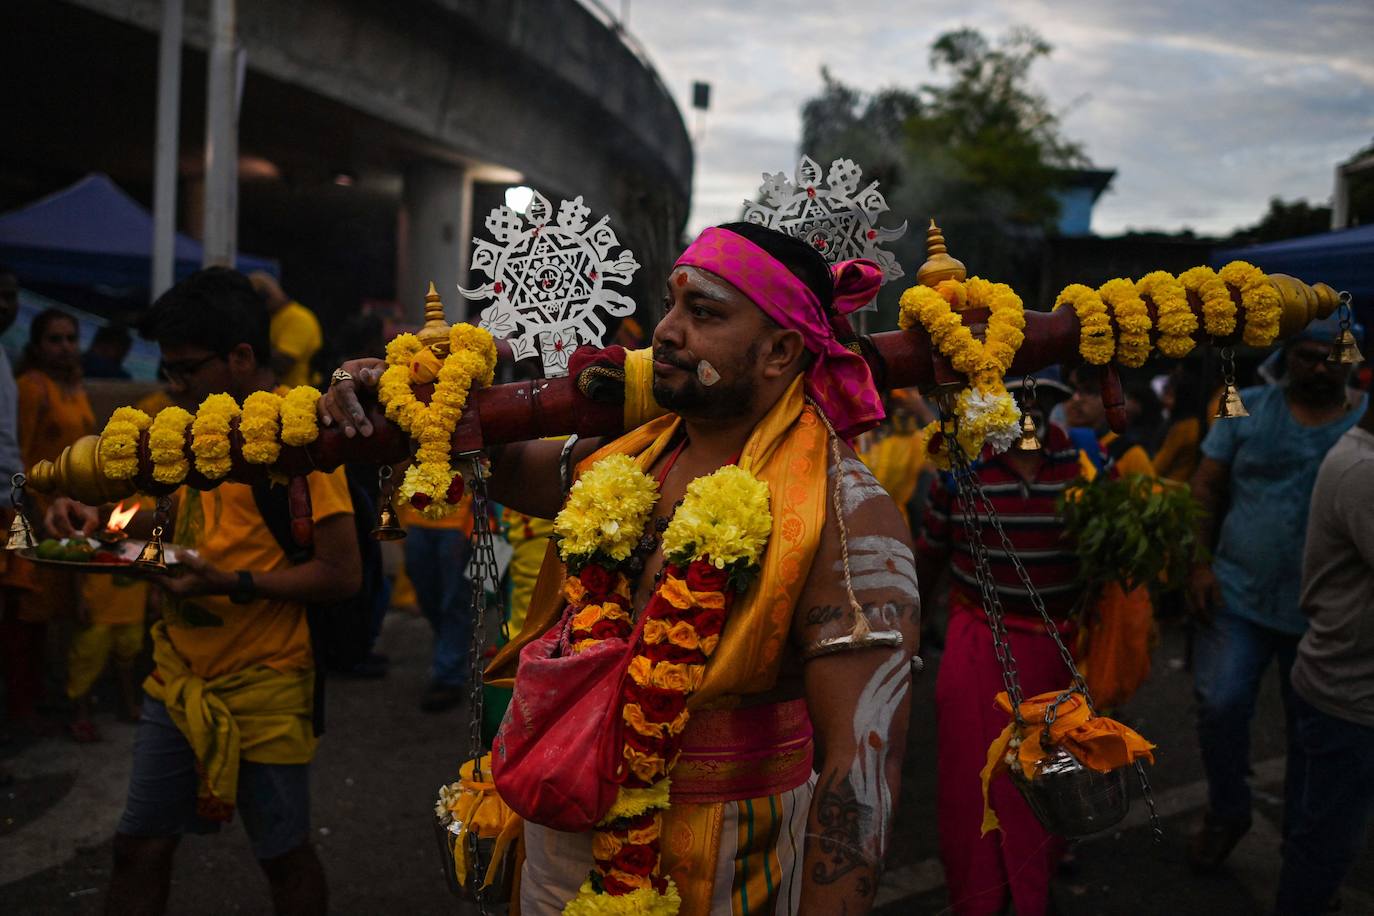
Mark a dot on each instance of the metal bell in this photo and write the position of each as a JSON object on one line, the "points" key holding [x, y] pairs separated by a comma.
{"points": [[1231, 407], [1345, 351], [1070, 799], [21, 533], [1029, 441], [387, 529], [151, 557]]}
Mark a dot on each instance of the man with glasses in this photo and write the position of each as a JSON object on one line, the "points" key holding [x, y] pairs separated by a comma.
{"points": [[234, 666], [1254, 482]]}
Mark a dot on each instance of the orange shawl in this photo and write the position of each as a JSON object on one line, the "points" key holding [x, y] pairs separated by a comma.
{"points": [[787, 450]]}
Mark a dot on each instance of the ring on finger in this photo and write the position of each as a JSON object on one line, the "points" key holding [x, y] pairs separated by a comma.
{"points": [[340, 375]]}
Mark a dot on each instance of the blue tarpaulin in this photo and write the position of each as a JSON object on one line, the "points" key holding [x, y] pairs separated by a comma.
{"points": [[92, 234], [1343, 259]]}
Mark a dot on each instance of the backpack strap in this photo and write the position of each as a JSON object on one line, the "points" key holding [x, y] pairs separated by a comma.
{"points": [[275, 509]]}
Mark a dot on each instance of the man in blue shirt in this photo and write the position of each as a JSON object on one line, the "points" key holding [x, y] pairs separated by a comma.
{"points": [[1255, 482]]}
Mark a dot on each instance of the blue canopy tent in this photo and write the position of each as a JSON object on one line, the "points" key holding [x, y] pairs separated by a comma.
{"points": [[94, 235], [1343, 259]]}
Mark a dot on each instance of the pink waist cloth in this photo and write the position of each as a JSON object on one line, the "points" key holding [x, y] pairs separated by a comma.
{"points": [[733, 754]]}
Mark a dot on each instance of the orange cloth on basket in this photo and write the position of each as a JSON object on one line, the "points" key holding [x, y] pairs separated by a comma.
{"points": [[1098, 742]]}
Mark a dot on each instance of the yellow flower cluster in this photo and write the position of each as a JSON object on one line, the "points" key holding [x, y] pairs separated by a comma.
{"points": [[986, 411], [118, 449], [471, 362], [210, 435], [1218, 309], [1095, 341], [167, 445], [1261, 302], [724, 517], [606, 511], [259, 425], [644, 901], [300, 425], [1174, 317], [1132, 321]]}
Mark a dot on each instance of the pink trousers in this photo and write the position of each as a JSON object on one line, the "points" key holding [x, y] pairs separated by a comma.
{"points": [[1017, 862]]}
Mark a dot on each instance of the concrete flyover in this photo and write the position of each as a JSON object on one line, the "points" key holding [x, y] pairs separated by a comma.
{"points": [[421, 100]]}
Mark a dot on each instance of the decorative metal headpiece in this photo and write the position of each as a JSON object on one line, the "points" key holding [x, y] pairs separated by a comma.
{"points": [[832, 215], [549, 276]]}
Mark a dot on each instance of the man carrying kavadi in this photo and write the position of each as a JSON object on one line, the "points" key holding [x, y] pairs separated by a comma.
{"points": [[712, 687]]}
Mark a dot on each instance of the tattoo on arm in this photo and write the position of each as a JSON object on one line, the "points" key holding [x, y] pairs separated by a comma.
{"points": [[886, 612], [842, 818]]}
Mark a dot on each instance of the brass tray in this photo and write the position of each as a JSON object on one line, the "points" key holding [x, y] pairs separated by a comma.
{"points": [[127, 550]]}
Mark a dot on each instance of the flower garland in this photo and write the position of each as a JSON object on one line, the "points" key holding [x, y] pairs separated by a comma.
{"points": [[300, 425], [711, 549], [1095, 341], [430, 484], [1261, 302], [210, 435], [260, 424], [118, 449], [986, 412], [1218, 309], [1132, 321], [1174, 317], [167, 445]]}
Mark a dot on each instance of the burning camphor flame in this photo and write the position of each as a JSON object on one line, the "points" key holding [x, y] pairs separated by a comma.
{"points": [[120, 516]]}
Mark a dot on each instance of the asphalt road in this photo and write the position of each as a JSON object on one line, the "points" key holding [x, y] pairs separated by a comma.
{"points": [[379, 767]]}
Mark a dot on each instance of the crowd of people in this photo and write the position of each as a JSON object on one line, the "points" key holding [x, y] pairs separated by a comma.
{"points": [[229, 718]]}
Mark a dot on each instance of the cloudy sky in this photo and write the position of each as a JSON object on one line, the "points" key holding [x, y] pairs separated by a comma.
{"points": [[1206, 108]]}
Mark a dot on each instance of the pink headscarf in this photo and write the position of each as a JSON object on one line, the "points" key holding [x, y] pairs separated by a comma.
{"points": [[839, 380]]}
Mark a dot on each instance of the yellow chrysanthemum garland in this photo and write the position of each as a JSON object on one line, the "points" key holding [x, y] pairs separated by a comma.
{"points": [[167, 445], [260, 425], [605, 512], [1218, 308], [430, 483], [1174, 318], [1095, 341], [210, 435], [300, 424], [722, 524], [986, 412], [118, 448], [1261, 302], [1132, 319], [724, 516]]}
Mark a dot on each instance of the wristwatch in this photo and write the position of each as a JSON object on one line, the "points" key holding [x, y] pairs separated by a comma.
{"points": [[245, 589]]}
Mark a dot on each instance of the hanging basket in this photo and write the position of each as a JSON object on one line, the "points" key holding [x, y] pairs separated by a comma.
{"points": [[498, 891], [1070, 799]]}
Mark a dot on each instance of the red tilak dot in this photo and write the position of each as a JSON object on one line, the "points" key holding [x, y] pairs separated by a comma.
{"points": [[497, 287], [680, 279], [810, 192], [592, 275], [872, 233]]}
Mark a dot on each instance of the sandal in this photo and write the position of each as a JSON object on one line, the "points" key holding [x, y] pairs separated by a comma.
{"points": [[83, 731]]}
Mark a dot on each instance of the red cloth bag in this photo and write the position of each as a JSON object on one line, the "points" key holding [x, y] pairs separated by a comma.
{"points": [[556, 757]]}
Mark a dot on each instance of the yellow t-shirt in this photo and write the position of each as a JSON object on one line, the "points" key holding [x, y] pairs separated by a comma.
{"points": [[216, 636], [295, 331], [896, 461]]}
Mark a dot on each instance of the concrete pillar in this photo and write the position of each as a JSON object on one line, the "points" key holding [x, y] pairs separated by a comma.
{"points": [[434, 238]]}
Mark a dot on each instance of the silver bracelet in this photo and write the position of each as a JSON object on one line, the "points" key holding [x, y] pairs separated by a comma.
{"points": [[565, 464]]}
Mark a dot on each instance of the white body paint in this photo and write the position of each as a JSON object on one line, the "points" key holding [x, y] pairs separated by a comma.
{"points": [[858, 486], [873, 714], [880, 563], [707, 373]]}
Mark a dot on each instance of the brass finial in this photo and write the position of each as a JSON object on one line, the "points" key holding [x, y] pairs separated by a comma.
{"points": [[436, 330], [939, 265]]}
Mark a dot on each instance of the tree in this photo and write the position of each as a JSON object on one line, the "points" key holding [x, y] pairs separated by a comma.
{"points": [[1285, 221], [982, 151]]}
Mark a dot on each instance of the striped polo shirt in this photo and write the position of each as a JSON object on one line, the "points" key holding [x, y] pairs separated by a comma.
{"points": [[1027, 510]]}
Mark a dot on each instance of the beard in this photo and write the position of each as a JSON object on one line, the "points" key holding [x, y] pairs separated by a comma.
{"points": [[1317, 390], [732, 395]]}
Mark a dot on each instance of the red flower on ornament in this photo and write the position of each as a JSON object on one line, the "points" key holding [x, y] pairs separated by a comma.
{"points": [[635, 860], [709, 621], [420, 501], [597, 579], [704, 577], [455, 490]]}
